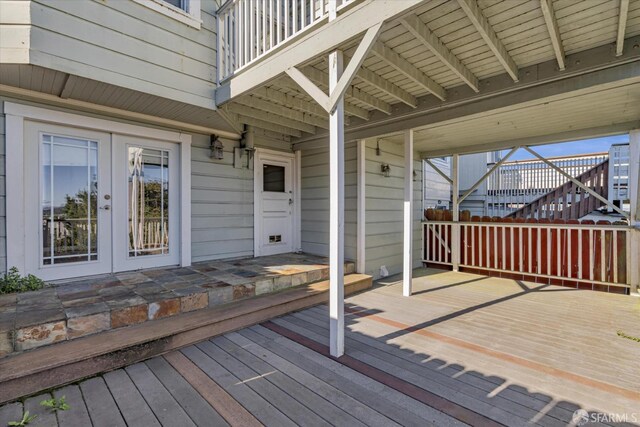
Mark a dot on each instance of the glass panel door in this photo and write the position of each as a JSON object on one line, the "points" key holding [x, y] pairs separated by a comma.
{"points": [[67, 185], [69, 189], [145, 203], [148, 201]]}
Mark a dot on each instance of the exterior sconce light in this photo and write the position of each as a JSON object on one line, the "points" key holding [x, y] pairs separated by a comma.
{"points": [[385, 169], [217, 149]]}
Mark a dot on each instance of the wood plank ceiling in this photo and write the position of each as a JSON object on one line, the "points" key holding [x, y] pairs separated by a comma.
{"points": [[445, 44]]}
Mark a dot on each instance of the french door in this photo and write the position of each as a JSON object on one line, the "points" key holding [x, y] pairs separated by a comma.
{"points": [[98, 202]]}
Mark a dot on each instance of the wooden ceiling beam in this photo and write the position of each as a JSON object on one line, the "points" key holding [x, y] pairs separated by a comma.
{"points": [[243, 110], [421, 32], [264, 124], [473, 12], [290, 101], [386, 86], [405, 67], [622, 26], [554, 32], [285, 112]]}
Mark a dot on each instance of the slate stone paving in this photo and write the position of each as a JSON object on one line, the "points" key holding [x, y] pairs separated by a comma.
{"points": [[89, 305]]}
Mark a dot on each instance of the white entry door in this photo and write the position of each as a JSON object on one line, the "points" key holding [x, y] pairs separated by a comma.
{"points": [[98, 202], [67, 183], [274, 210]]}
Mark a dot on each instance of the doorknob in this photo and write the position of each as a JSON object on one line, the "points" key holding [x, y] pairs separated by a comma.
{"points": [[290, 201], [106, 207]]}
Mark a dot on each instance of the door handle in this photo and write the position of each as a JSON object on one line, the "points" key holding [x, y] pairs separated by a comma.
{"points": [[290, 201], [106, 207]]}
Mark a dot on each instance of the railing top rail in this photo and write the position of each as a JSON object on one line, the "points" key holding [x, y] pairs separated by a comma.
{"points": [[535, 225]]}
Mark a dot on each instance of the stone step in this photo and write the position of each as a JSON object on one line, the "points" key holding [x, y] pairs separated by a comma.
{"points": [[69, 361], [96, 304]]}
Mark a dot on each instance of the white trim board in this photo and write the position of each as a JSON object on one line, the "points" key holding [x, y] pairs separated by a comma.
{"points": [[16, 114]]}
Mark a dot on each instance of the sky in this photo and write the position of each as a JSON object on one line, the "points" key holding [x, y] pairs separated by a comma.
{"points": [[584, 146]]}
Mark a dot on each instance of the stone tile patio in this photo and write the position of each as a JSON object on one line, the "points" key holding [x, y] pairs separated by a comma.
{"points": [[80, 307]]}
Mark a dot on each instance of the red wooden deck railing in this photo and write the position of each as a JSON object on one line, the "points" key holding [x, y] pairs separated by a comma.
{"points": [[583, 254]]}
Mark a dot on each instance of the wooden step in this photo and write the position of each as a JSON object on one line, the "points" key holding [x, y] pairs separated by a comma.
{"points": [[55, 365]]}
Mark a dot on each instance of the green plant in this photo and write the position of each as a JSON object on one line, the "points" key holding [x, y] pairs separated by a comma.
{"points": [[13, 281], [56, 404], [26, 419]]}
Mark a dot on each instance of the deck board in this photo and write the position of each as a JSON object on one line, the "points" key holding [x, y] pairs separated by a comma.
{"points": [[422, 364], [294, 410], [396, 406], [249, 341], [500, 409], [133, 407], [10, 412], [164, 406], [77, 414], [463, 347], [103, 410], [252, 401], [189, 399], [279, 378]]}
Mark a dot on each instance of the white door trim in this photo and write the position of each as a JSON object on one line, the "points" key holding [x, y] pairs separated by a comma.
{"points": [[257, 201], [16, 114]]}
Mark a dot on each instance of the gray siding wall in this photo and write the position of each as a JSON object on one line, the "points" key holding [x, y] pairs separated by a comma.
{"points": [[124, 43], [315, 201], [221, 204], [384, 209], [222, 200]]}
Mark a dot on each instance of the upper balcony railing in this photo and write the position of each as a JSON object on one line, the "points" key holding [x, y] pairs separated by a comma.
{"points": [[250, 29]]}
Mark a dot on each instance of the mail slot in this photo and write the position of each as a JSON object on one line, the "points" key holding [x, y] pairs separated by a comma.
{"points": [[276, 238]]}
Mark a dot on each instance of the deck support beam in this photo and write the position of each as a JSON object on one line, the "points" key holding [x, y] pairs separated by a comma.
{"points": [[622, 26], [554, 32], [362, 206], [470, 7], [634, 218], [336, 212], [407, 253], [422, 33], [455, 227]]}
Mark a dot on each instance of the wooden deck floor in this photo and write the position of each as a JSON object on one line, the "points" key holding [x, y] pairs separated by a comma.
{"points": [[463, 349]]}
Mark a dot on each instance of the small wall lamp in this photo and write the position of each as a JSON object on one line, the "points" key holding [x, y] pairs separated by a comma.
{"points": [[385, 169], [217, 149]]}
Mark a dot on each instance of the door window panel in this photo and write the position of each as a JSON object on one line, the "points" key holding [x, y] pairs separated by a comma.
{"points": [[273, 178], [148, 201], [69, 190]]}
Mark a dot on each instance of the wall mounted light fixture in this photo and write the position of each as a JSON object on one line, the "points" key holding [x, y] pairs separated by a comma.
{"points": [[217, 149], [385, 169]]}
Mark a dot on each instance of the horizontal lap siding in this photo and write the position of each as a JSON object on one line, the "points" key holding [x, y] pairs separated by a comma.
{"points": [[221, 204], [315, 201], [127, 44], [384, 209]]}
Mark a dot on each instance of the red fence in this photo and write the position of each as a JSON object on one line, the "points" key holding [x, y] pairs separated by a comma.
{"points": [[563, 252]]}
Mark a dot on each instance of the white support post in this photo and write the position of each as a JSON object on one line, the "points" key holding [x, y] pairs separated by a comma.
{"points": [[408, 214], [633, 266], [336, 212], [455, 227], [362, 205]]}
